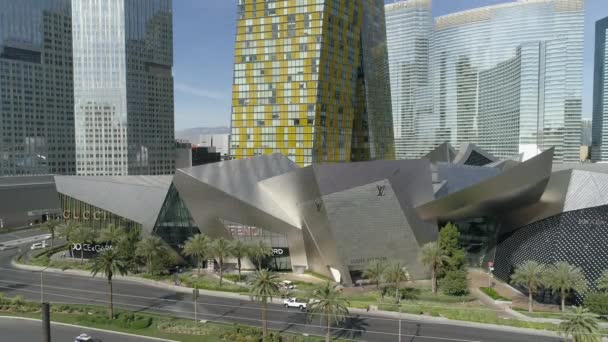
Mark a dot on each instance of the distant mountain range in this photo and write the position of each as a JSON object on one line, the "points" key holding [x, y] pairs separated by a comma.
{"points": [[193, 134]]}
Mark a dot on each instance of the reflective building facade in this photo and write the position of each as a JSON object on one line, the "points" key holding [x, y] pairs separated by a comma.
{"points": [[409, 29], [36, 88], [508, 78], [123, 86], [599, 150], [311, 81]]}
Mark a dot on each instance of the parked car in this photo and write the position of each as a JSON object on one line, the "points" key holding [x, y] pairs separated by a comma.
{"points": [[38, 245], [295, 303]]}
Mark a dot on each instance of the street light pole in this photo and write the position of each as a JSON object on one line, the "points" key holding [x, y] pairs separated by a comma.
{"points": [[42, 284], [399, 322]]}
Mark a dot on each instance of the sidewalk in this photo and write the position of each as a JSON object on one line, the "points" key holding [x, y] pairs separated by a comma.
{"points": [[362, 312]]}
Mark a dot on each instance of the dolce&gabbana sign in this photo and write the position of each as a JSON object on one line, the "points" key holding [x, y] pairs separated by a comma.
{"points": [[88, 247], [85, 215]]}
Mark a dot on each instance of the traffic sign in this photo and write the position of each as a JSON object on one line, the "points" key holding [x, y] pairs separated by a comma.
{"points": [[490, 263]]}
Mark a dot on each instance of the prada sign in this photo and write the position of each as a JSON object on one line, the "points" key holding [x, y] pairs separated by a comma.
{"points": [[85, 215]]}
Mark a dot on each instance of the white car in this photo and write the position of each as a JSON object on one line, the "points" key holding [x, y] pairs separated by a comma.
{"points": [[83, 338], [295, 303], [38, 245], [288, 285]]}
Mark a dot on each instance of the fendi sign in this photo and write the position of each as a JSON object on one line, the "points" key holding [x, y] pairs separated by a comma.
{"points": [[85, 215]]}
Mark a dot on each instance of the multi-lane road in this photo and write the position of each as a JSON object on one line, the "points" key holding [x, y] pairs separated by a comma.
{"points": [[27, 330], [63, 288]]}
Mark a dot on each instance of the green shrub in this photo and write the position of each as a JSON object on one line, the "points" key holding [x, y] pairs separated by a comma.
{"points": [[492, 293], [212, 284], [455, 283], [235, 277], [17, 301], [597, 302], [132, 321]]}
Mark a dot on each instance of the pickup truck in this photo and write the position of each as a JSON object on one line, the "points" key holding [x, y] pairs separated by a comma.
{"points": [[295, 303]]}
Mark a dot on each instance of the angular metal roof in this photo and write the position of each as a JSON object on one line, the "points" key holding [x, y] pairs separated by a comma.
{"points": [[137, 198], [514, 188]]}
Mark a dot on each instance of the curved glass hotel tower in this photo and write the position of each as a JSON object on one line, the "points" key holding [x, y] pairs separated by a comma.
{"points": [[506, 77], [311, 81], [409, 35]]}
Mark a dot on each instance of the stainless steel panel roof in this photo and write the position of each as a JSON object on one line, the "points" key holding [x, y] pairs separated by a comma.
{"points": [[137, 198]]}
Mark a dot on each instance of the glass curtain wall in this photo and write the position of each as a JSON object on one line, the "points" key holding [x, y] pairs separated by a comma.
{"points": [[37, 129], [280, 260], [175, 224], [537, 46], [409, 29], [92, 216]]}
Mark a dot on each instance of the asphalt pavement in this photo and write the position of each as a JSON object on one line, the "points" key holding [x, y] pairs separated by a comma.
{"points": [[12, 330], [21, 234], [62, 288]]}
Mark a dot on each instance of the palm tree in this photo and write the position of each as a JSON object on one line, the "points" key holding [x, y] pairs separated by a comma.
{"points": [[66, 231], [432, 257], [82, 235], [530, 275], [148, 248], [581, 325], [602, 282], [564, 278], [327, 300], [258, 251], [374, 271], [396, 273], [111, 233], [197, 246], [239, 251], [51, 226], [222, 249], [264, 285], [108, 263]]}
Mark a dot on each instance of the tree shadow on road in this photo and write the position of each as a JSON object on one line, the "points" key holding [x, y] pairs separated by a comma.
{"points": [[413, 335], [353, 327], [157, 304]]}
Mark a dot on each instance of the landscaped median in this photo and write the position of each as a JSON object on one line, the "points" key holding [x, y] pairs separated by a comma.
{"points": [[416, 300], [151, 325]]}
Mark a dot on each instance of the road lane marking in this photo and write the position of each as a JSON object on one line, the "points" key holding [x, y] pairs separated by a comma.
{"points": [[112, 332]]}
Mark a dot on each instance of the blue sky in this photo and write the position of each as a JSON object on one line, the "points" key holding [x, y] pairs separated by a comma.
{"points": [[204, 33]]}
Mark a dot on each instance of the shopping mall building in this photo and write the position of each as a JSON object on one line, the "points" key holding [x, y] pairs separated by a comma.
{"points": [[334, 218]]}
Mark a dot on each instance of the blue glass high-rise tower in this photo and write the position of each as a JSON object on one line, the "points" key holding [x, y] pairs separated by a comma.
{"points": [[36, 93], [599, 148]]}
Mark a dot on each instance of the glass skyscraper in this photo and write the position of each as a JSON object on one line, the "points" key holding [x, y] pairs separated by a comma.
{"points": [[36, 93], [311, 81], [599, 149], [409, 28], [123, 86], [507, 77]]}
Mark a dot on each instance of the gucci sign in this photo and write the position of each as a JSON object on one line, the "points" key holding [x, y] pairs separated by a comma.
{"points": [[85, 215]]}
